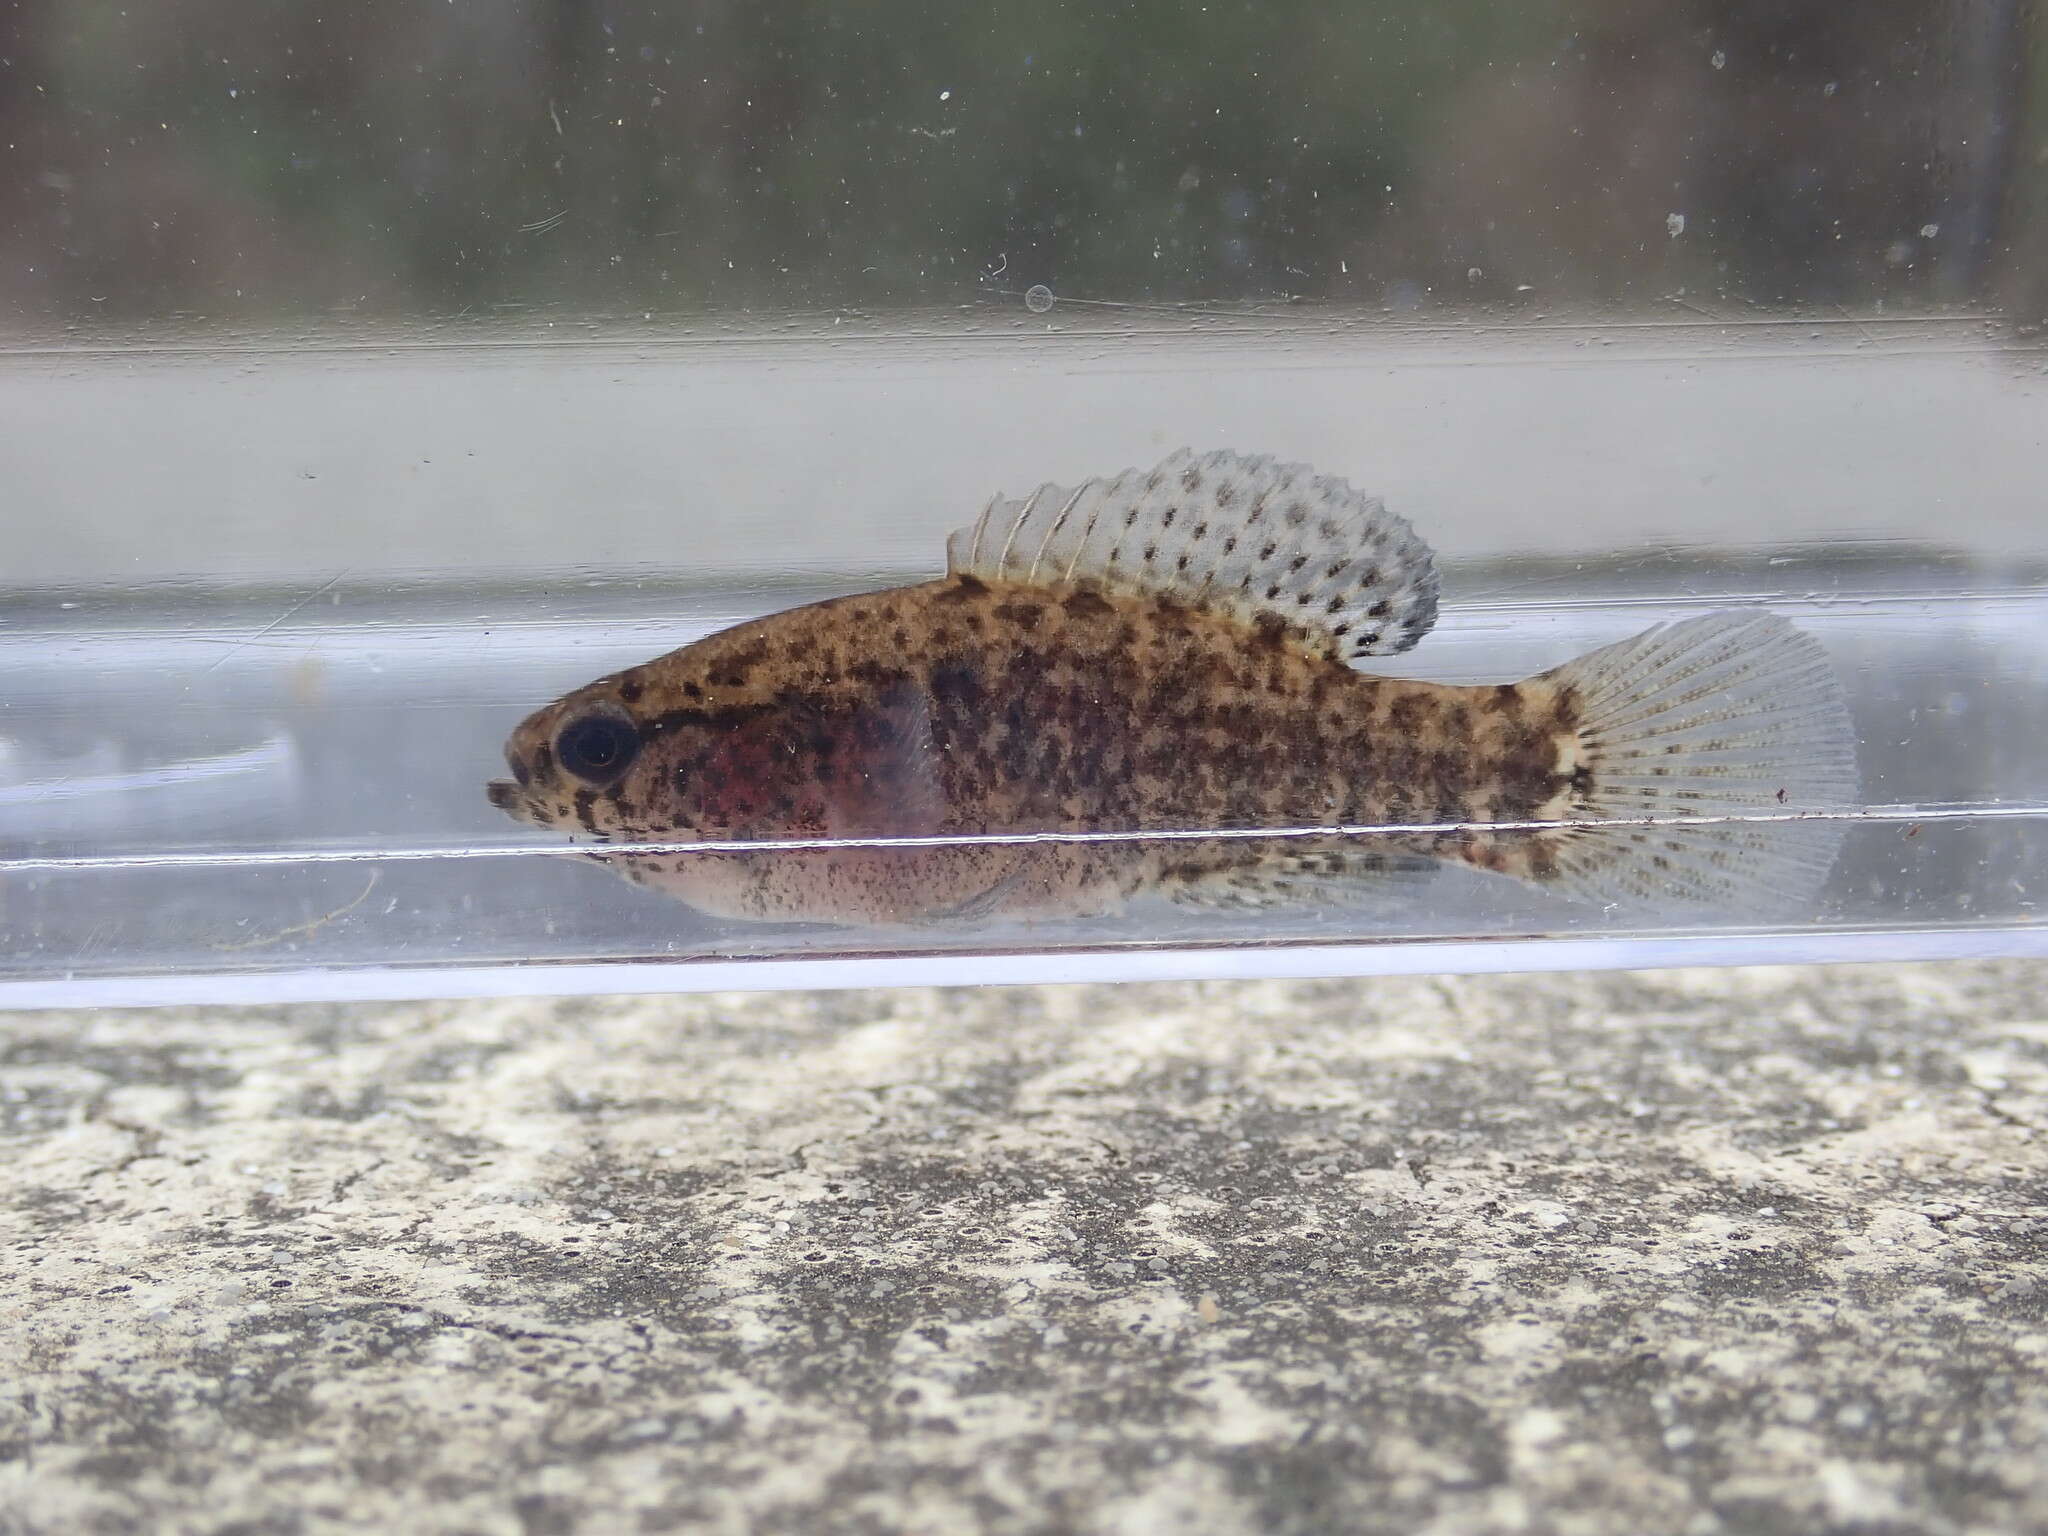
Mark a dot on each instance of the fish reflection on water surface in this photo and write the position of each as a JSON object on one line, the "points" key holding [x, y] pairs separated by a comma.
{"points": [[1177, 649]]}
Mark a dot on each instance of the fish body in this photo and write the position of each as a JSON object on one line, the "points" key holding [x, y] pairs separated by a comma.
{"points": [[1164, 651]]}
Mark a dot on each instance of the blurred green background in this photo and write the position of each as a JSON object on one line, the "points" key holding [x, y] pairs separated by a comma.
{"points": [[428, 158]]}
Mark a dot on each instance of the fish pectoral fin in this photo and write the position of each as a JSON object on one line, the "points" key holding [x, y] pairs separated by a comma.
{"points": [[885, 779], [1343, 878], [981, 905], [1246, 537]]}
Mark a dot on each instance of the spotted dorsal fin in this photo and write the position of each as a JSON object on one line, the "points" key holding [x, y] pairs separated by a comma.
{"points": [[1248, 537]]}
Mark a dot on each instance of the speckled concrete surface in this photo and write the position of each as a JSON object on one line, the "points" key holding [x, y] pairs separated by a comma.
{"points": [[1744, 1251]]}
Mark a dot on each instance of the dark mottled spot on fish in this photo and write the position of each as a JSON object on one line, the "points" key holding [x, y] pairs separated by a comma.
{"points": [[1271, 632], [956, 686], [1410, 714], [736, 666], [1023, 614], [1524, 776], [1085, 603], [629, 690], [1014, 746], [667, 721], [874, 674]]}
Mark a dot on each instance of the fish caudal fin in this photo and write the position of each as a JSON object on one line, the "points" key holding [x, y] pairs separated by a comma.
{"points": [[1712, 720]]}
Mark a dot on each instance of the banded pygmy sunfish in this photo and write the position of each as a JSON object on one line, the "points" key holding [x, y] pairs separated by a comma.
{"points": [[1177, 649]]}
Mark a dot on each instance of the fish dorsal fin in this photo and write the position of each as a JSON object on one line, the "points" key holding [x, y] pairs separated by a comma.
{"points": [[1250, 538]]}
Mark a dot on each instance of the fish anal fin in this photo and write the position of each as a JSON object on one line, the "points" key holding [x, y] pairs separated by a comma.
{"points": [[1344, 877]]}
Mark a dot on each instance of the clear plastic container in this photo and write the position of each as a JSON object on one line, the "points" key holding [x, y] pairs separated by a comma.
{"points": [[278, 590]]}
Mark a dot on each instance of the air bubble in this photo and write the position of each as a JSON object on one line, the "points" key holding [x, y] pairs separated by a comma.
{"points": [[1038, 298]]}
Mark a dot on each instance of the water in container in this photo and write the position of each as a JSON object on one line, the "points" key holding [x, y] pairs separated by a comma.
{"points": [[1017, 496]]}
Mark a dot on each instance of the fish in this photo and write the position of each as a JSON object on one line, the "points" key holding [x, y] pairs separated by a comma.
{"points": [[1183, 650]]}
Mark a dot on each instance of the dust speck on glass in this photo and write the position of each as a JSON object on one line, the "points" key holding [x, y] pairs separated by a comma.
{"points": [[377, 374]]}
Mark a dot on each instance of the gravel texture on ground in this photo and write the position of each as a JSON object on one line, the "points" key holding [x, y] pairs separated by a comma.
{"points": [[1690, 1252]]}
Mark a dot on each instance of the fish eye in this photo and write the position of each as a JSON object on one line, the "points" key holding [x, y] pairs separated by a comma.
{"points": [[598, 747]]}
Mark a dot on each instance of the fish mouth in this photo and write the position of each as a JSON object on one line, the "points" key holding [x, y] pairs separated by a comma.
{"points": [[507, 797]]}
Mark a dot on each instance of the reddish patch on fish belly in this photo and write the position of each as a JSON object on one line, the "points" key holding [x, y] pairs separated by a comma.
{"points": [[862, 772], [744, 782]]}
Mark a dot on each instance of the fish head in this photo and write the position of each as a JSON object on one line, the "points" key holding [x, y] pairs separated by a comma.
{"points": [[662, 754], [581, 764], [623, 759]]}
